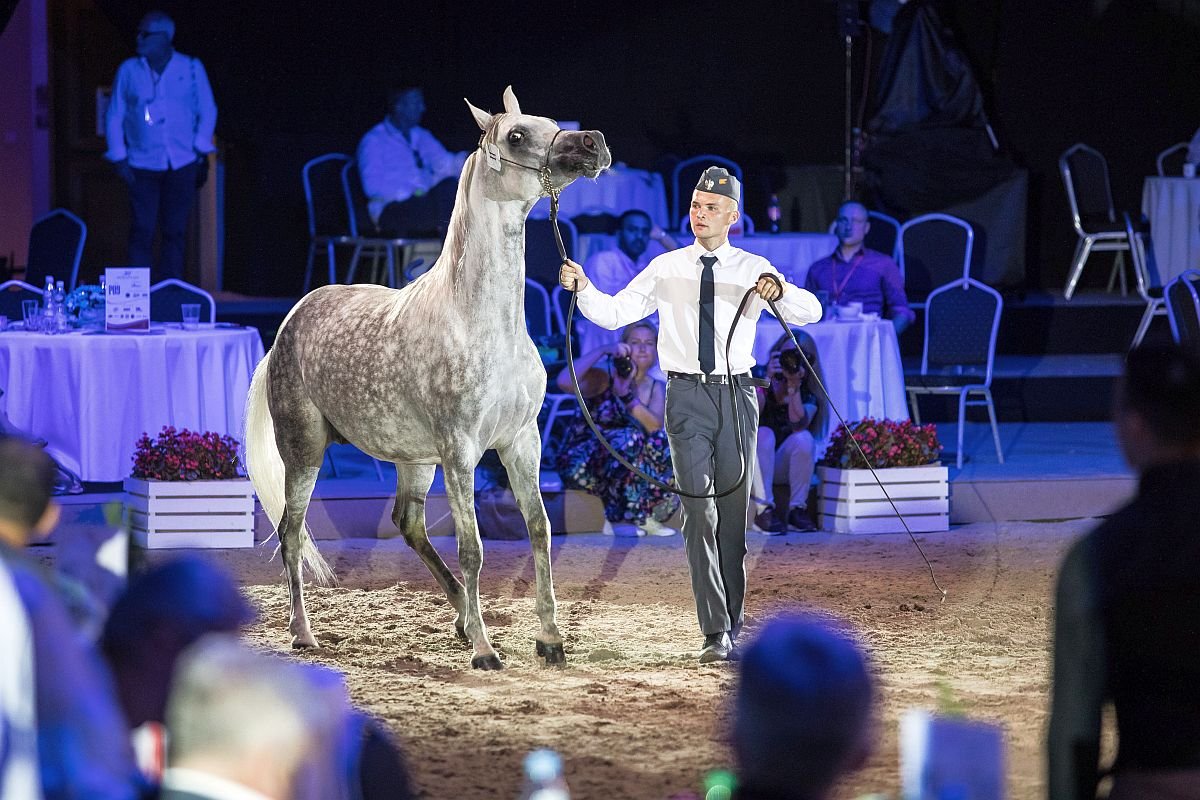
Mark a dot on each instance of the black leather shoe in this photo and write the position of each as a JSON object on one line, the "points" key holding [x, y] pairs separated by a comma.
{"points": [[798, 520], [769, 523], [717, 647]]}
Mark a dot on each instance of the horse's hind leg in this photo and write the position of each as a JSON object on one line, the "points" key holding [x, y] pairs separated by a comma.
{"points": [[522, 459], [458, 463], [412, 487], [298, 488]]}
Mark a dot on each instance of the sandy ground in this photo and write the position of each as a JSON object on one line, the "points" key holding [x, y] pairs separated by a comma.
{"points": [[633, 714]]}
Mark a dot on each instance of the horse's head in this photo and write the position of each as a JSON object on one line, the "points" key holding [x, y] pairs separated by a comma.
{"points": [[524, 151]]}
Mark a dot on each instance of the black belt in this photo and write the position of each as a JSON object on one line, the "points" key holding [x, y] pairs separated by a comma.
{"points": [[741, 379]]}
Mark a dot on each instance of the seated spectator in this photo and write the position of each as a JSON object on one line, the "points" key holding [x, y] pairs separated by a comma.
{"points": [[791, 422], [82, 749], [854, 273], [1127, 601], [612, 270], [628, 406], [802, 711], [409, 178], [244, 722]]}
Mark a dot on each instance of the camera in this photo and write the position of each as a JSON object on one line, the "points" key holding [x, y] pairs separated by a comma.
{"points": [[790, 361], [623, 366]]}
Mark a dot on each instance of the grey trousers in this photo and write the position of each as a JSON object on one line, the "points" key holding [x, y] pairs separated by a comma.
{"points": [[701, 429]]}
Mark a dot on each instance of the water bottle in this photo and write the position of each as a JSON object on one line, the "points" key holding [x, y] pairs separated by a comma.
{"points": [[48, 306], [60, 308], [543, 777], [773, 213]]}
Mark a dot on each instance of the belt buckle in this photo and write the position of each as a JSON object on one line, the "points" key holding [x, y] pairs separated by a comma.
{"points": [[706, 378]]}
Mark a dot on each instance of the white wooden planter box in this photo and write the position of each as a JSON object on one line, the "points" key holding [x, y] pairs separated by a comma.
{"points": [[850, 501], [166, 514]]}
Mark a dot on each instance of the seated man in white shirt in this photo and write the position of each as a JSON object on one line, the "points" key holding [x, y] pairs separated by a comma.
{"points": [[612, 270], [408, 176]]}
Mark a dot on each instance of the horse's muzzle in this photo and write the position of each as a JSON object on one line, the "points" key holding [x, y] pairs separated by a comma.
{"points": [[582, 153]]}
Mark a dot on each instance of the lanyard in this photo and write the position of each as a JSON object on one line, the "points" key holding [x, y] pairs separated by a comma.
{"points": [[839, 287]]}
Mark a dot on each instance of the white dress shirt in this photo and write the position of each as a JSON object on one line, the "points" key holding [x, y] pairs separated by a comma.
{"points": [[162, 121], [393, 167], [670, 284], [207, 785]]}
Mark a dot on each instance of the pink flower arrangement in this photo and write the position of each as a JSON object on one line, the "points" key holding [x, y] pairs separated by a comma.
{"points": [[185, 456], [885, 442]]}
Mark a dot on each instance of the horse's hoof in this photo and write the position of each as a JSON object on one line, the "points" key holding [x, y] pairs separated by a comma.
{"points": [[486, 662], [303, 642], [552, 652]]}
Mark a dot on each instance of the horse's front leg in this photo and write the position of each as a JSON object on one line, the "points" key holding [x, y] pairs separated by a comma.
{"points": [[298, 487], [458, 464], [523, 460]]}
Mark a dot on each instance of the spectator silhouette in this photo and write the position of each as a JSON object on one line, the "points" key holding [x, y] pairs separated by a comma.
{"points": [[802, 715], [1127, 602]]}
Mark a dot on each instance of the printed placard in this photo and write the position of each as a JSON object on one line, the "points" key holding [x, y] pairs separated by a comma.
{"points": [[127, 299]]}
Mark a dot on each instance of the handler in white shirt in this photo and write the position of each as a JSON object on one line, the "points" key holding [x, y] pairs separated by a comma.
{"points": [[159, 127], [696, 291]]}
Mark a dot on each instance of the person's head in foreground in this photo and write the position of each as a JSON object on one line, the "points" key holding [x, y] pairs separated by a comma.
{"points": [[803, 710], [1157, 413], [714, 207], [26, 485]]}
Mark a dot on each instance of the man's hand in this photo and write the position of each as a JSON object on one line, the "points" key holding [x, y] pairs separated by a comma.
{"points": [[571, 277], [124, 171], [768, 287]]}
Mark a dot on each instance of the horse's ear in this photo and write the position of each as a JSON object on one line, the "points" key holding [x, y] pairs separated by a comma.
{"points": [[510, 101], [482, 118]]}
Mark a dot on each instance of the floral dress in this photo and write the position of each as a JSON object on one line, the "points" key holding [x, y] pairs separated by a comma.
{"points": [[584, 463]]}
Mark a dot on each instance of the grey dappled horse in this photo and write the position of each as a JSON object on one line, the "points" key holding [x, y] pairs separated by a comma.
{"points": [[434, 373]]}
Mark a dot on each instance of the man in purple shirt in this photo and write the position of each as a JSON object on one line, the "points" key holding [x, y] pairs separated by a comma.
{"points": [[854, 273]]}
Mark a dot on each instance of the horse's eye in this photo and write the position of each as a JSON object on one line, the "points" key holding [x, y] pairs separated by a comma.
{"points": [[515, 137]]}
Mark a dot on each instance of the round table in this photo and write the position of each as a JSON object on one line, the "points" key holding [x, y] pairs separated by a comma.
{"points": [[790, 253], [91, 395], [1173, 208], [616, 190]]}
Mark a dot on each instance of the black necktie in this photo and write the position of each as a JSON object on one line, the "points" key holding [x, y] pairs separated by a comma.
{"points": [[708, 304]]}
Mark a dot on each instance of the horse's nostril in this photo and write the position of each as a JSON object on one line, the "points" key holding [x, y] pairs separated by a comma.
{"points": [[589, 143]]}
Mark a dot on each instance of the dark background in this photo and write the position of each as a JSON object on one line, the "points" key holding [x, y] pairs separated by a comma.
{"points": [[759, 82]]}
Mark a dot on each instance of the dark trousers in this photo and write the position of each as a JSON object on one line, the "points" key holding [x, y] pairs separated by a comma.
{"points": [[702, 433], [424, 216], [161, 199]]}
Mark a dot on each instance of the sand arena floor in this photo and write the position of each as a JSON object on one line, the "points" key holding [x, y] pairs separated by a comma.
{"points": [[632, 712]]}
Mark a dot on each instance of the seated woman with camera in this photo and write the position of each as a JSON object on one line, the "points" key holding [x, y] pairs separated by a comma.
{"points": [[790, 424], [627, 405]]}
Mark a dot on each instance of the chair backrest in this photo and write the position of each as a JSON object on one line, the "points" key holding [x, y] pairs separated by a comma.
{"points": [[537, 310], [1145, 266], [1170, 161], [324, 195], [12, 293], [689, 170], [541, 252], [596, 221], [55, 248], [560, 302], [168, 295], [883, 236], [962, 319], [934, 249], [1183, 309], [1089, 192], [355, 199]]}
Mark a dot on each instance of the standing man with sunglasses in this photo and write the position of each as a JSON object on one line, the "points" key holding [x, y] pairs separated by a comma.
{"points": [[159, 128], [696, 291]]}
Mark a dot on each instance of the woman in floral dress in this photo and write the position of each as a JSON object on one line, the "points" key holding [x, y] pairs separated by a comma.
{"points": [[627, 404]]}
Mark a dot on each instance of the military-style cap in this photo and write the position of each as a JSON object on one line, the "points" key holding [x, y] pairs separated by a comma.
{"points": [[718, 181]]}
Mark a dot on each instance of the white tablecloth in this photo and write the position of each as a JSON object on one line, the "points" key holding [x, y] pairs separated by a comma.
{"points": [[791, 253], [92, 395], [615, 191], [860, 362], [1173, 207]]}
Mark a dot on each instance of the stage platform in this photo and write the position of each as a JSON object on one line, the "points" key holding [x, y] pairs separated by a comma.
{"points": [[1052, 471]]}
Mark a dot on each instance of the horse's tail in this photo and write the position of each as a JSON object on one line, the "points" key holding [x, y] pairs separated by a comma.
{"points": [[264, 466]]}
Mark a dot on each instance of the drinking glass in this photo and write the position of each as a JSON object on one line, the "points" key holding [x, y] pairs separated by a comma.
{"points": [[190, 312], [31, 313]]}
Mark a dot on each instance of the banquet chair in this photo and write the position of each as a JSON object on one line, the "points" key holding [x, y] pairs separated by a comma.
{"points": [[559, 408], [397, 252], [12, 293], [328, 220], [962, 319], [1170, 161], [168, 295], [542, 260], [55, 247], [1183, 309], [538, 315], [933, 249], [688, 170], [1084, 173], [596, 222], [1146, 275], [883, 235]]}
